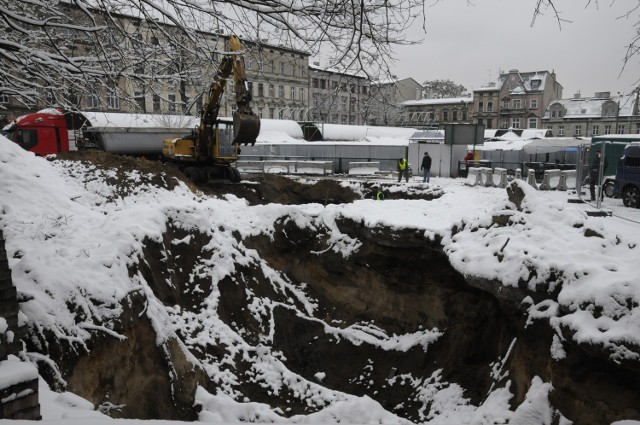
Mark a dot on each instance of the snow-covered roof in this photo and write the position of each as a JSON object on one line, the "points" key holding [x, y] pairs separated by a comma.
{"points": [[525, 133], [526, 79], [427, 135], [442, 101], [591, 107]]}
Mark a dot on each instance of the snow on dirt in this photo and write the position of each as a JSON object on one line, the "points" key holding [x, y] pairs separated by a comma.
{"points": [[71, 232]]}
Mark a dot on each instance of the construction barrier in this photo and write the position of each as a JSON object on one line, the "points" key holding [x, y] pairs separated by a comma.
{"points": [[550, 179], [486, 175], [567, 179], [531, 179], [474, 177], [364, 168], [518, 173], [499, 177], [286, 167]]}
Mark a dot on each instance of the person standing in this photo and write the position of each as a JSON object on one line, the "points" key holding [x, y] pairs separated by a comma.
{"points": [[594, 174], [426, 167], [403, 169]]}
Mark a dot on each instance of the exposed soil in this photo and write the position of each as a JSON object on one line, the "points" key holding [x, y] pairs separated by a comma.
{"points": [[399, 281]]}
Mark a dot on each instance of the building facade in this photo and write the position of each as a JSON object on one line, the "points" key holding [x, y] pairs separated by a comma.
{"points": [[384, 106], [435, 113], [524, 97], [486, 106], [278, 75], [593, 116], [336, 97]]}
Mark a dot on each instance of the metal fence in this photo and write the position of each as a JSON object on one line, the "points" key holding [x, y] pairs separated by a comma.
{"points": [[609, 197]]}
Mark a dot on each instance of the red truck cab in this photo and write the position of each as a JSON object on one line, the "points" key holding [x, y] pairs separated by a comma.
{"points": [[46, 132]]}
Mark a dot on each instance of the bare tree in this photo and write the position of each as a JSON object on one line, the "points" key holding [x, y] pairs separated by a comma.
{"points": [[443, 89], [59, 51]]}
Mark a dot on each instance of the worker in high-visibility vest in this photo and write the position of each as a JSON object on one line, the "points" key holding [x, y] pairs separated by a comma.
{"points": [[403, 169]]}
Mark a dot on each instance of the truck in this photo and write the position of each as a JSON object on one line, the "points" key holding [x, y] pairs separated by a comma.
{"points": [[54, 130]]}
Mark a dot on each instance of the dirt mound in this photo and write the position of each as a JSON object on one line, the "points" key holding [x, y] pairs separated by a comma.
{"points": [[272, 188], [125, 164]]}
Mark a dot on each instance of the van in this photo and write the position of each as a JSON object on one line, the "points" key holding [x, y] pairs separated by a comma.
{"points": [[627, 183]]}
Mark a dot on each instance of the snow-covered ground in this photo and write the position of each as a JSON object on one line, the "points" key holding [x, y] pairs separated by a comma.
{"points": [[56, 221]]}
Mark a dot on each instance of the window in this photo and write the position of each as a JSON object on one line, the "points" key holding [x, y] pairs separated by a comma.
{"points": [[282, 71], [272, 66], [302, 70], [504, 124], [281, 92], [272, 112], [480, 106], [464, 115], [637, 128], [249, 63], [533, 103], [578, 130], [480, 121], [561, 130], [4, 99], [293, 69], [315, 101], [535, 84], [315, 83], [112, 100], [260, 90], [140, 101], [334, 85], [344, 103], [554, 114], [533, 122], [489, 105], [260, 112], [292, 93], [517, 104], [489, 123], [301, 93], [445, 115], [607, 129], [172, 103], [93, 101], [156, 103], [323, 84], [595, 130], [515, 122], [505, 104], [621, 129], [272, 90], [364, 90], [260, 65], [454, 115]]}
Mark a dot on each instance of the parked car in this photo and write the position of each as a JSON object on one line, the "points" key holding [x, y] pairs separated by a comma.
{"points": [[627, 182]]}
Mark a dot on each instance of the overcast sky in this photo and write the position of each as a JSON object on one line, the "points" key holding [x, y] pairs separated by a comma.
{"points": [[472, 44]]}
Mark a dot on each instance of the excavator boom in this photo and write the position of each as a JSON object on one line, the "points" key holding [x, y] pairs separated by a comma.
{"points": [[209, 144]]}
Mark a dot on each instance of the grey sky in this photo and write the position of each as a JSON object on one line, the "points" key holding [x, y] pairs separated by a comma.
{"points": [[472, 44]]}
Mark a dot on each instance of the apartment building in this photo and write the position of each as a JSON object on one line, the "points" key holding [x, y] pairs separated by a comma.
{"points": [[524, 97], [384, 106], [593, 116], [337, 97], [436, 112], [278, 75]]}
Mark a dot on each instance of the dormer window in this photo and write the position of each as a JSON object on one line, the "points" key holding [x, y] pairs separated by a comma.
{"points": [[535, 84]]}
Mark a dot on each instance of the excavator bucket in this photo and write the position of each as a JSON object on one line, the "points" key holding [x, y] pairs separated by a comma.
{"points": [[245, 128]]}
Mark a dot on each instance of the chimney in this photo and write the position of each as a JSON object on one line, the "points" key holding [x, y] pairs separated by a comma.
{"points": [[577, 95]]}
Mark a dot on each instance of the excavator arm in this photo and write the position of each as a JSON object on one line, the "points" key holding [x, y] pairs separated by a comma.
{"points": [[202, 146], [246, 125]]}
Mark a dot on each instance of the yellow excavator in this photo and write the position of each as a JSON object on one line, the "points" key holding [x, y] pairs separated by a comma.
{"points": [[214, 145]]}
